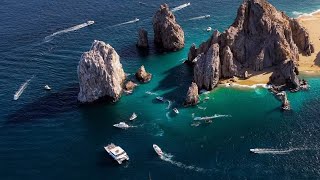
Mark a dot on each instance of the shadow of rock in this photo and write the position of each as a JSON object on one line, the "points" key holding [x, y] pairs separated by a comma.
{"points": [[317, 60], [176, 82], [48, 106]]}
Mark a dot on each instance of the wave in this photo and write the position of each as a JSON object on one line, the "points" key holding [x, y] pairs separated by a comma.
{"points": [[273, 151], [235, 85], [199, 17], [128, 22], [73, 28], [169, 104], [151, 93], [302, 14], [178, 8], [21, 89], [202, 108], [211, 117], [168, 158]]}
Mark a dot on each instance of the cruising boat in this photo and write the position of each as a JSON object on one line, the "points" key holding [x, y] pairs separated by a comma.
{"points": [[90, 22], [157, 149], [176, 110], [133, 116], [117, 153], [209, 29], [121, 125], [46, 87]]}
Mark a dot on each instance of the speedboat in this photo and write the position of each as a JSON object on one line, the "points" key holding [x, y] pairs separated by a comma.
{"points": [[207, 16], [117, 153], [133, 116], [209, 29], [160, 98], [121, 125], [90, 22], [157, 149], [46, 87], [136, 20], [176, 110]]}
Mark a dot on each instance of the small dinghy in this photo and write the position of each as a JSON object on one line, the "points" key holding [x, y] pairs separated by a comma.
{"points": [[176, 110], [121, 125], [133, 116], [157, 149], [46, 87]]}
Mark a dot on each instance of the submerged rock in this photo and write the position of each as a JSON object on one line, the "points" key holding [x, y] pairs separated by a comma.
{"points": [[192, 95], [142, 75], [142, 38], [168, 34], [260, 37], [100, 74], [129, 86]]}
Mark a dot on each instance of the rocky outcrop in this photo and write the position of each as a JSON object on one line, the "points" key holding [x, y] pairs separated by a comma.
{"points": [[142, 75], [167, 32], [142, 39], [207, 68], [129, 86], [260, 37], [100, 74], [192, 95]]}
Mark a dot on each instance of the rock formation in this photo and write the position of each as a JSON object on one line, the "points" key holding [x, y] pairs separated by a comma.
{"points": [[261, 37], [192, 95], [167, 32], [142, 75], [142, 38], [100, 74], [129, 86]]}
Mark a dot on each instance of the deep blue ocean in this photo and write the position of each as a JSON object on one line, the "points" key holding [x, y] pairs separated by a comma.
{"points": [[47, 135]]}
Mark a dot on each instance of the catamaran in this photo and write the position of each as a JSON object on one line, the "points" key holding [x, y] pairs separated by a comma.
{"points": [[117, 153], [157, 149], [121, 125]]}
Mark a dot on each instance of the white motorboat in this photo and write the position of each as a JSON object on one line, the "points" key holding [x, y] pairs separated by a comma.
{"points": [[176, 110], [209, 29], [133, 116], [207, 16], [121, 125], [159, 98], [136, 20], [157, 149], [90, 22], [46, 87], [117, 153]]}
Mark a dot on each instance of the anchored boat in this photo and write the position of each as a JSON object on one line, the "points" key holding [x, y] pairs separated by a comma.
{"points": [[117, 153]]}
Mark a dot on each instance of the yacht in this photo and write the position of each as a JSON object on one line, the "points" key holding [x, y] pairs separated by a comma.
{"points": [[209, 29], [133, 116], [121, 125], [176, 110], [46, 87], [117, 153], [157, 149]]}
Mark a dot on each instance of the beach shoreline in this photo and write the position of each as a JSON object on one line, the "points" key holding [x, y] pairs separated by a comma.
{"points": [[307, 65]]}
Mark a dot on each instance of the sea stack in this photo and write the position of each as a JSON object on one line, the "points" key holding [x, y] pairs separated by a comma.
{"points": [[168, 34], [260, 37], [142, 39], [100, 74], [192, 95], [142, 75]]}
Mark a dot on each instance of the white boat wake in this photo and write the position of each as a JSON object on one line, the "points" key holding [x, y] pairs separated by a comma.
{"points": [[168, 158], [169, 104], [151, 93], [178, 8], [21, 89], [73, 28], [199, 17], [128, 22], [211, 117], [274, 151]]}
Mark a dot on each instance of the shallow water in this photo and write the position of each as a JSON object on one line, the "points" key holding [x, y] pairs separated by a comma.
{"points": [[48, 135]]}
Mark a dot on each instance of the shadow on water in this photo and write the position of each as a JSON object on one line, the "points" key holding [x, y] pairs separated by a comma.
{"points": [[176, 82], [48, 106]]}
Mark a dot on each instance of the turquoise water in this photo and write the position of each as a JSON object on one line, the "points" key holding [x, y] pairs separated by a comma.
{"points": [[48, 135]]}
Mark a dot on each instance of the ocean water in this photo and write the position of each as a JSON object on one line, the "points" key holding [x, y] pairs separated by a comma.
{"points": [[48, 135]]}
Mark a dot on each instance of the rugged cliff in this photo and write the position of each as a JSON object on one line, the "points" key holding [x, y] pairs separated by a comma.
{"points": [[260, 37], [100, 74]]}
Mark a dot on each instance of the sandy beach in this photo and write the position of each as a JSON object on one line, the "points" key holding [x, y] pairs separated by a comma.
{"points": [[307, 64]]}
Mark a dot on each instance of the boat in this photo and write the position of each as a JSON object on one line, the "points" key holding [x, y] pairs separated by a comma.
{"points": [[117, 153], [176, 110], [207, 16], [133, 116], [209, 29], [206, 98], [46, 87], [160, 98], [136, 20], [157, 149], [121, 125], [90, 22]]}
